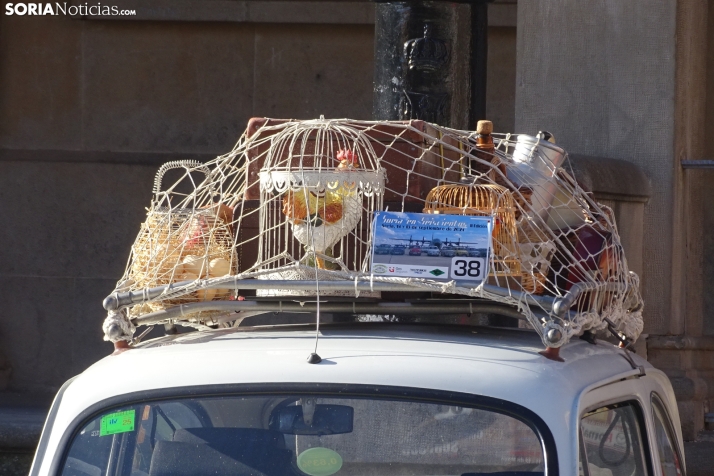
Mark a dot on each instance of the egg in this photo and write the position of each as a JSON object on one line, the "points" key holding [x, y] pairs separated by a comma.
{"points": [[201, 294], [206, 294], [195, 265], [219, 267], [187, 277]]}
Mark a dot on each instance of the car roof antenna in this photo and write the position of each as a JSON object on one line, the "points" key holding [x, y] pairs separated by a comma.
{"points": [[314, 358]]}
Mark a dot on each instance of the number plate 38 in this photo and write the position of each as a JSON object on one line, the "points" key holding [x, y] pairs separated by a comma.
{"points": [[463, 268]]}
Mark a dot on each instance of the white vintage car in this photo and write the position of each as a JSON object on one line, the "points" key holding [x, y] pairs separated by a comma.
{"points": [[385, 398]]}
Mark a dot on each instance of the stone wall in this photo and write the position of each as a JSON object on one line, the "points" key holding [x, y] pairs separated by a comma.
{"points": [[581, 81], [631, 80], [708, 216], [90, 108]]}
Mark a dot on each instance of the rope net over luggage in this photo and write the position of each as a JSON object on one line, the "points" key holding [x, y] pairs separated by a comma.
{"points": [[295, 202]]}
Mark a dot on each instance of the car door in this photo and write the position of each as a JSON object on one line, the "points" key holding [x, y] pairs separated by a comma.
{"points": [[632, 419], [666, 452]]}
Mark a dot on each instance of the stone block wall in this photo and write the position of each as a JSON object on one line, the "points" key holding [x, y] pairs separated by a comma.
{"points": [[89, 109], [635, 81]]}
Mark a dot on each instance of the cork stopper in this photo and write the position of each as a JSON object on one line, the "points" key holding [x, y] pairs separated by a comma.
{"points": [[484, 127]]}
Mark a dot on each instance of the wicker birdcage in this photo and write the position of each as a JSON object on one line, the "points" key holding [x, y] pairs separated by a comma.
{"points": [[169, 239], [483, 200], [181, 244]]}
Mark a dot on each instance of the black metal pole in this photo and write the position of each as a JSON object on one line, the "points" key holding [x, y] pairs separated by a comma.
{"points": [[430, 61], [479, 55]]}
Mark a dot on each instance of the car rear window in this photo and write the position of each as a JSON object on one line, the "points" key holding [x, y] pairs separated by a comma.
{"points": [[303, 435], [612, 441]]}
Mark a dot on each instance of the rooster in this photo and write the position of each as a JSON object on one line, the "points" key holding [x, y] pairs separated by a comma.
{"points": [[320, 219]]}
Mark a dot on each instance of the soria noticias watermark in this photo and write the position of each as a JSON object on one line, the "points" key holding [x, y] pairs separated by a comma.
{"points": [[62, 8]]}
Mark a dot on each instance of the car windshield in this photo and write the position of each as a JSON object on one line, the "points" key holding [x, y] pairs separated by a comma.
{"points": [[293, 435]]}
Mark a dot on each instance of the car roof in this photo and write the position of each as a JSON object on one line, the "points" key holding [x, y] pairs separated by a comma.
{"points": [[499, 363]]}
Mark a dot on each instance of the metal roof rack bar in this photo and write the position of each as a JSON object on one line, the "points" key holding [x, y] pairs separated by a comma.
{"points": [[294, 306], [116, 301]]}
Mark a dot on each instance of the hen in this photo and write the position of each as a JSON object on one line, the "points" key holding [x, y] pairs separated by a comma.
{"points": [[320, 219]]}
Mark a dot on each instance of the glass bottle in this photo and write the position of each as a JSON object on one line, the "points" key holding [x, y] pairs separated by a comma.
{"points": [[485, 151]]}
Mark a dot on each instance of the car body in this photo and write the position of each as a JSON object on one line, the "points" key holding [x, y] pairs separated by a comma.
{"points": [[461, 251], [476, 253], [229, 383], [397, 250], [415, 251], [432, 251], [382, 249], [448, 251]]}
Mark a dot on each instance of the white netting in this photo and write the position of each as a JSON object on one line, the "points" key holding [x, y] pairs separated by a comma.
{"points": [[295, 201]]}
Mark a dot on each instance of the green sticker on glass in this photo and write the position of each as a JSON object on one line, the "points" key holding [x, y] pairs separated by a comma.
{"points": [[319, 462], [114, 423]]}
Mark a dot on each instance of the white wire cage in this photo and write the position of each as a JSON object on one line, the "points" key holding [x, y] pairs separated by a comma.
{"points": [[319, 186]]}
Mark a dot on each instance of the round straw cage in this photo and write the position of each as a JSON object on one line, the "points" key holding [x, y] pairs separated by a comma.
{"points": [[483, 200]]}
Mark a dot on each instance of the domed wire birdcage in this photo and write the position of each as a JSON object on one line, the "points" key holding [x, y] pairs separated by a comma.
{"points": [[319, 186], [291, 210]]}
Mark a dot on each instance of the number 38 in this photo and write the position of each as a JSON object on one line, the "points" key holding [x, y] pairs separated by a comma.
{"points": [[471, 268]]}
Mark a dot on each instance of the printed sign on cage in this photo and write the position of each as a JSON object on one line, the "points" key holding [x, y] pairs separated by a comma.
{"points": [[431, 246]]}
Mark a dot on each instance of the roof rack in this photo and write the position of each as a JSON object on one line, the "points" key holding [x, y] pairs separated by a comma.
{"points": [[300, 211], [542, 305]]}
